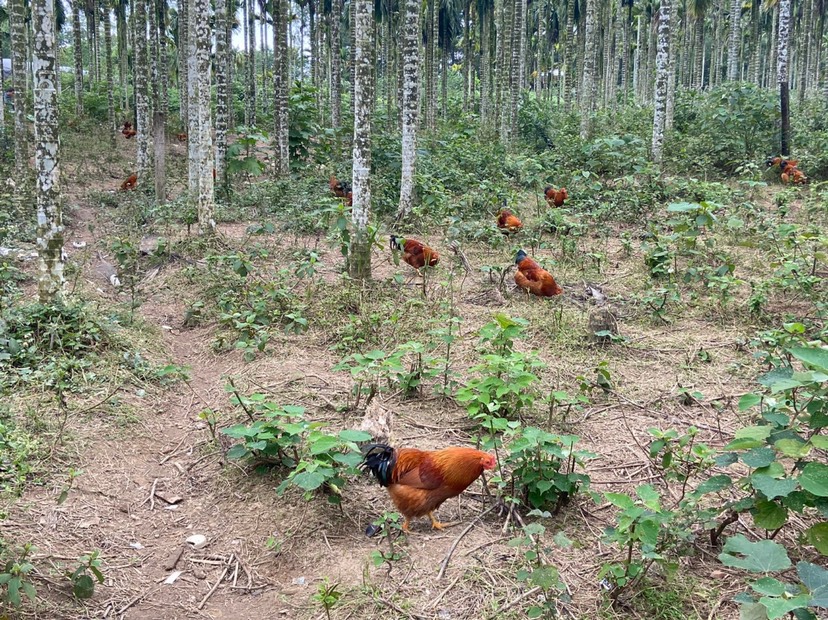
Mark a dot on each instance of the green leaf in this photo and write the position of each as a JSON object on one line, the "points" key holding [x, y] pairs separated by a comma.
{"points": [[763, 556], [793, 448], [779, 607], [769, 586], [753, 611], [813, 356], [309, 480], [769, 515], [715, 484], [815, 578], [324, 444], [237, 452], [817, 535], [620, 500], [759, 457], [820, 442], [351, 435], [649, 496], [29, 590], [814, 478], [749, 400], [83, 587], [772, 487]]}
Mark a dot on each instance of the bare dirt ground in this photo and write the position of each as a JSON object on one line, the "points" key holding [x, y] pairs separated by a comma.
{"points": [[140, 449]]}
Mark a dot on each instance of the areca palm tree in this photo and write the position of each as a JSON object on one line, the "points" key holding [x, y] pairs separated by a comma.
{"points": [[698, 10]]}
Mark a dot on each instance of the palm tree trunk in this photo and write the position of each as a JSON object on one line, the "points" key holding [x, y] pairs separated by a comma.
{"points": [[280, 86], [782, 73], [516, 72], [359, 261], [47, 154], [222, 120], [433, 53], [78, 49], [110, 82], [250, 13], [673, 66], [588, 95], [121, 35], [163, 58], [336, 64], [142, 120], [485, 67], [467, 73], [662, 77], [410, 102], [352, 48], [203, 47], [152, 41], [735, 38], [568, 65], [183, 62], [698, 70], [17, 31]]}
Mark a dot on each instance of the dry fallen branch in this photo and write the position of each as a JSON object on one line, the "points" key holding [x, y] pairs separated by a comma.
{"points": [[457, 540]]}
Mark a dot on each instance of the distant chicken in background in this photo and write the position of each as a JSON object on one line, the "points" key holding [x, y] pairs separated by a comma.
{"points": [[416, 254], [419, 481], [130, 183], [127, 130], [555, 197], [789, 173], [182, 137], [533, 278], [508, 222]]}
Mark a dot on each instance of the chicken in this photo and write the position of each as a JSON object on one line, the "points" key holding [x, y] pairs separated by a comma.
{"points": [[130, 183], [419, 480], [127, 130], [555, 197], [182, 137], [532, 278], [340, 189], [789, 173], [508, 222], [416, 254]]}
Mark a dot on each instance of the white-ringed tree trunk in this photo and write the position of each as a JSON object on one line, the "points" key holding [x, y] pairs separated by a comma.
{"points": [[410, 102], [142, 118], [662, 77]]}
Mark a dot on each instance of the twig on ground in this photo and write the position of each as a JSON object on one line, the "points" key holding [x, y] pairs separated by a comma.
{"points": [[514, 602], [457, 540], [134, 600], [214, 588]]}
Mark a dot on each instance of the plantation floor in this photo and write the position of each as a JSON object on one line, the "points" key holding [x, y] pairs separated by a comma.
{"points": [[140, 447]]}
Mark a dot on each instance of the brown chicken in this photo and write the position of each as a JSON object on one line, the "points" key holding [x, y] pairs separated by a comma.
{"points": [[127, 130], [130, 183], [416, 254], [340, 189], [508, 222], [555, 197], [182, 137], [419, 480], [789, 172], [532, 278]]}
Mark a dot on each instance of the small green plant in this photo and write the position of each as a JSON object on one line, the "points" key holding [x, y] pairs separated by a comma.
{"points": [[16, 577], [678, 457], [127, 255], [211, 419], [389, 527], [83, 578], [327, 596]]}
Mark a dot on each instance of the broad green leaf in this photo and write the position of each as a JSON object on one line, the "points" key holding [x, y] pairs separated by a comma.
{"points": [[324, 444], [237, 452], [815, 578], [817, 535], [309, 480], [759, 457], [351, 435], [793, 448], [772, 487], [769, 515], [715, 484], [779, 607], [813, 356], [820, 442], [763, 556], [620, 500], [774, 376], [814, 478], [768, 586], [752, 611], [83, 587], [649, 496], [749, 400]]}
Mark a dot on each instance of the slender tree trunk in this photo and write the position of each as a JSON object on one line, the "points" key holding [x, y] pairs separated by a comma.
{"points": [[110, 82], [410, 102], [163, 58], [359, 261], [152, 41], [433, 53], [193, 128], [184, 62], [637, 62], [522, 33], [467, 73], [782, 72], [281, 87], [516, 72], [263, 62], [698, 77], [78, 49], [485, 68], [2, 98], [251, 60], [121, 26], [673, 65], [735, 38], [17, 28], [336, 64], [662, 77], [352, 48], [203, 40], [47, 154], [588, 96], [222, 120], [568, 65], [232, 9], [142, 119], [159, 139]]}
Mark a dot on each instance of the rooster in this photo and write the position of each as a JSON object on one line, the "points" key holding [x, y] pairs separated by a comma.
{"points": [[508, 222], [130, 183], [789, 173], [419, 480], [555, 197], [182, 137], [416, 254], [127, 130], [532, 278], [340, 189]]}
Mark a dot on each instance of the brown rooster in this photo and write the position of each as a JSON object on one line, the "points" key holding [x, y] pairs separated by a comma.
{"points": [[419, 480], [555, 197], [416, 254], [508, 222], [130, 183], [182, 137], [789, 172], [532, 278], [127, 130]]}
